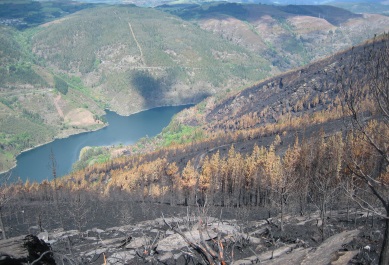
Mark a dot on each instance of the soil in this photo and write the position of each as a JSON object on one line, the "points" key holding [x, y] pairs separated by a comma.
{"points": [[133, 232], [81, 117]]}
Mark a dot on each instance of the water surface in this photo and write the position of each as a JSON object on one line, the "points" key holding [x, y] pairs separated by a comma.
{"points": [[35, 164]]}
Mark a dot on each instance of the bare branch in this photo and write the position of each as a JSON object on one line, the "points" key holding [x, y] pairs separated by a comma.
{"points": [[44, 253]]}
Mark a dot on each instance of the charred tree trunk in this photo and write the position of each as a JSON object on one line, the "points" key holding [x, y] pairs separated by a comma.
{"points": [[2, 224], [384, 256], [282, 213]]}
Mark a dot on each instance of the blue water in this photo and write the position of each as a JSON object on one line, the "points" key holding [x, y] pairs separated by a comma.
{"points": [[35, 164]]}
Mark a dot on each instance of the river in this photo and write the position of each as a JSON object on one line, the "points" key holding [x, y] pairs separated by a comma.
{"points": [[35, 163]]}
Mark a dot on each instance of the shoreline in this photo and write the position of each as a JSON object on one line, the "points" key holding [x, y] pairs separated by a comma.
{"points": [[88, 131], [162, 106], [42, 144]]}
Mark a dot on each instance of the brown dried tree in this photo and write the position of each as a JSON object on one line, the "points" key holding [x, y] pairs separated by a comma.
{"points": [[364, 81]]}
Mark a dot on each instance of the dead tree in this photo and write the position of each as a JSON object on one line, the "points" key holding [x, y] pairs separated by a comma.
{"points": [[207, 244], [4, 199], [53, 167], [364, 81], [79, 211]]}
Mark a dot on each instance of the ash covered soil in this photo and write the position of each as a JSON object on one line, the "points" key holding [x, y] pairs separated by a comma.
{"points": [[174, 235]]}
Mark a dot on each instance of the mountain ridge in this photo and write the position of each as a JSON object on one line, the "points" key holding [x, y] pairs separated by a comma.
{"points": [[300, 102], [146, 58]]}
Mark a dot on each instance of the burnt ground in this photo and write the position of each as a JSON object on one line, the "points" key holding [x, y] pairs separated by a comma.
{"points": [[115, 219], [139, 235]]}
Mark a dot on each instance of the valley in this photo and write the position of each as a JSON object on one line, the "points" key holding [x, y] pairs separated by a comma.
{"points": [[283, 158], [145, 58], [265, 152]]}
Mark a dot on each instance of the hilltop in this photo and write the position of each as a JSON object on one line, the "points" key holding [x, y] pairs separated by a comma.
{"points": [[134, 58], [148, 58], [299, 103], [287, 36]]}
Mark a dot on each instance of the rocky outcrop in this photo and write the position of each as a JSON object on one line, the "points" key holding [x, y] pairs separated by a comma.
{"points": [[176, 240]]}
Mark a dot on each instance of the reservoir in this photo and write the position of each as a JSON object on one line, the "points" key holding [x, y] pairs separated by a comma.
{"points": [[35, 163]]}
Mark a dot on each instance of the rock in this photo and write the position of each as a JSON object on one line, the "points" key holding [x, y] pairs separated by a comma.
{"points": [[60, 234], [13, 247], [96, 230], [122, 257], [253, 240], [294, 257], [138, 242], [113, 242], [260, 231], [265, 256], [96, 252], [52, 241], [166, 256], [34, 230], [176, 241], [177, 256], [43, 236], [169, 232], [260, 223], [323, 254], [171, 243], [90, 238], [132, 252], [260, 248], [56, 233], [345, 257], [225, 228]]}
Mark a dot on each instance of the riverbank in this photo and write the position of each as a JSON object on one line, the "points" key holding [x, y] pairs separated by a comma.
{"points": [[161, 106], [58, 137], [72, 132], [34, 163]]}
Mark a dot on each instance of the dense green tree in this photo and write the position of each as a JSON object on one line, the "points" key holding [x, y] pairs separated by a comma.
{"points": [[61, 85]]}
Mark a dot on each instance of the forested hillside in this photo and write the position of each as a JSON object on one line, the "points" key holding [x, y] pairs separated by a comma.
{"points": [[309, 141], [78, 59], [287, 36], [272, 115], [135, 58], [34, 107]]}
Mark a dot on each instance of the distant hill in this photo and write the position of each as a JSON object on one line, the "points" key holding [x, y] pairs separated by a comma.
{"points": [[374, 7], [128, 58], [32, 110], [269, 2], [261, 121], [23, 14], [134, 58], [287, 36], [16, 64], [301, 102], [298, 102]]}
